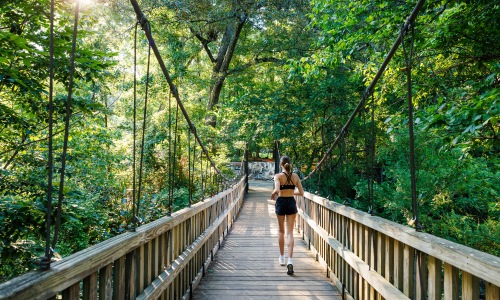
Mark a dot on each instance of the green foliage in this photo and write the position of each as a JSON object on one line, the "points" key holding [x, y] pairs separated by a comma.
{"points": [[22, 223], [455, 94], [298, 70]]}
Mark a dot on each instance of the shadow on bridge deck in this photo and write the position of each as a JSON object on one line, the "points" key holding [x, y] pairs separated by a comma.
{"points": [[246, 266]]}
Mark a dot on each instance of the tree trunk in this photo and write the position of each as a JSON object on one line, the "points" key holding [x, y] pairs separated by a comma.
{"points": [[219, 71]]}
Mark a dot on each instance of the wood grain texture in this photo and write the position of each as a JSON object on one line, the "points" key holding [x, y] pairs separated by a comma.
{"points": [[246, 266], [106, 283], [435, 281], [371, 277], [450, 282], [369, 256], [72, 269], [90, 287], [475, 262]]}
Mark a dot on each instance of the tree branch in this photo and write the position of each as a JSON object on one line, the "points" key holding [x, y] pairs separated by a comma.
{"points": [[256, 61], [440, 12], [204, 42]]}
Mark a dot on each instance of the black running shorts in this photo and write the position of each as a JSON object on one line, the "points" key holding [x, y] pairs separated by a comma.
{"points": [[285, 206]]}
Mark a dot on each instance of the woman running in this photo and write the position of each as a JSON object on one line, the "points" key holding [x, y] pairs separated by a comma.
{"points": [[286, 186]]}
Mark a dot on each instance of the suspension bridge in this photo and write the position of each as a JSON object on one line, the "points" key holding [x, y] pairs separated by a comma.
{"points": [[225, 246]]}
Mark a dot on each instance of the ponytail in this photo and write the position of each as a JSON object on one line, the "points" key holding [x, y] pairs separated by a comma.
{"points": [[286, 163]]}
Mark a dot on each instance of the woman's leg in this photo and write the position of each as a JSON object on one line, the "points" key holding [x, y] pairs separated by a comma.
{"points": [[281, 234], [290, 222]]}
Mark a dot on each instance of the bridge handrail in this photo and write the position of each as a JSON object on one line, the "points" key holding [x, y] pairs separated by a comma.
{"points": [[393, 260], [140, 264]]}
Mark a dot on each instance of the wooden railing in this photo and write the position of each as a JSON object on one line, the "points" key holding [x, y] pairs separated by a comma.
{"points": [[164, 259], [368, 257]]}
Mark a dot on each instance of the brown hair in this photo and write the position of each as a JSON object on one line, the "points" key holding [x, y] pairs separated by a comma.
{"points": [[286, 163]]}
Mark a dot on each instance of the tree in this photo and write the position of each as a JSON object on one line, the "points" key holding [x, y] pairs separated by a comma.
{"points": [[220, 28], [455, 87]]}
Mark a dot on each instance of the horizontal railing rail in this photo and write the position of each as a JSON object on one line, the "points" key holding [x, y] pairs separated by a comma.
{"points": [[164, 259], [369, 257]]}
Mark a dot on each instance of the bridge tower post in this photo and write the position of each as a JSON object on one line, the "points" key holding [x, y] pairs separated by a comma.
{"points": [[276, 155], [245, 167]]}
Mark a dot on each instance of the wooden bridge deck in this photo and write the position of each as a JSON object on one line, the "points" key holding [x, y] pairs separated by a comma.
{"points": [[246, 266]]}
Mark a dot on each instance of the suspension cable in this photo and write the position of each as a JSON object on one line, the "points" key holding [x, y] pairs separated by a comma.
{"points": [[207, 176], [276, 157], [141, 162], [201, 176], [346, 166], [147, 30], [190, 192], [408, 61], [193, 171], [134, 204], [374, 81], [174, 156], [367, 156], [372, 157], [45, 261], [170, 180], [66, 126]]}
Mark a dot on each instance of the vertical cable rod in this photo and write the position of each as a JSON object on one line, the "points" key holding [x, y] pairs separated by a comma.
{"points": [[370, 88], [66, 126], [408, 61], [141, 162], [45, 261]]}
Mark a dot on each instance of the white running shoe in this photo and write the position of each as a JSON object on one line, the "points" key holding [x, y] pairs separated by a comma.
{"points": [[281, 260]]}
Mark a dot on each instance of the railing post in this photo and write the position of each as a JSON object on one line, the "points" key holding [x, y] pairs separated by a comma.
{"points": [[246, 167], [276, 155]]}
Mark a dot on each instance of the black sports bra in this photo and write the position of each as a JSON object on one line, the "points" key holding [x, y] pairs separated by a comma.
{"points": [[288, 184]]}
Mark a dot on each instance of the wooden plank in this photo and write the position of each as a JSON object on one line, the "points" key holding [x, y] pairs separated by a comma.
{"points": [[389, 261], [130, 275], [106, 283], [366, 257], [480, 264], [140, 268], [169, 276], [90, 287], [119, 279], [361, 246], [248, 260], [451, 282], [168, 250], [157, 255], [435, 282], [492, 291], [380, 254], [470, 286], [421, 274], [408, 271], [148, 263], [374, 279], [356, 250], [398, 264], [72, 292], [74, 268]]}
